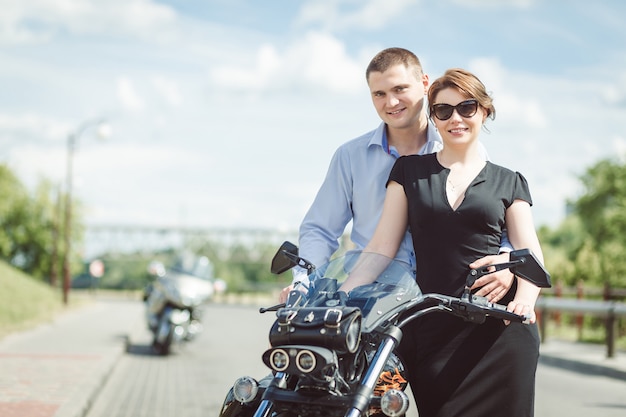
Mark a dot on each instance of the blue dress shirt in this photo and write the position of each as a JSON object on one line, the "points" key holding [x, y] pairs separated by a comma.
{"points": [[354, 190]]}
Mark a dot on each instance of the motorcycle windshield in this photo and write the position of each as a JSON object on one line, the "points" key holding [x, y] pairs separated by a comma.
{"points": [[393, 286]]}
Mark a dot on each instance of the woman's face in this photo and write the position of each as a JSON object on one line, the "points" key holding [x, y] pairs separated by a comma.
{"points": [[463, 124]]}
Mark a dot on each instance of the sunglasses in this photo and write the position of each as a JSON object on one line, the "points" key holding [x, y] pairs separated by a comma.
{"points": [[466, 108]]}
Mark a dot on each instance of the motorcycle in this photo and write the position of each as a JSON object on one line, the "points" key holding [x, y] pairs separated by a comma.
{"points": [[174, 301], [333, 354]]}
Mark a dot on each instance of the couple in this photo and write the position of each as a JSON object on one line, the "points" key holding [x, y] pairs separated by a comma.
{"points": [[427, 172]]}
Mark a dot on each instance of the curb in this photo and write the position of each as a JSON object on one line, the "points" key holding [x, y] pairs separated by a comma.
{"points": [[79, 405]]}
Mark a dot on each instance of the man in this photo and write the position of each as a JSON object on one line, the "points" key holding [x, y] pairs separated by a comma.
{"points": [[354, 187]]}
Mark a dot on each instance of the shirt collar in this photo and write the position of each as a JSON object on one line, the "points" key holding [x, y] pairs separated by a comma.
{"points": [[379, 138]]}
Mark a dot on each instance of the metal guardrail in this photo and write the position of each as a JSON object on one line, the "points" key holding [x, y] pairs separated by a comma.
{"points": [[609, 310]]}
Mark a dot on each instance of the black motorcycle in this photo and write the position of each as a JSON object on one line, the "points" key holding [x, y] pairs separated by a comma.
{"points": [[333, 354]]}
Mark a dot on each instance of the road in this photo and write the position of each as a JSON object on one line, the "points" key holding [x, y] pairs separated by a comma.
{"points": [[193, 380], [565, 393]]}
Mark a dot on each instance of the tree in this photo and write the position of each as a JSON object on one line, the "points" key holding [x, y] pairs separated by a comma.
{"points": [[560, 247], [28, 226], [603, 210], [13, 212]]}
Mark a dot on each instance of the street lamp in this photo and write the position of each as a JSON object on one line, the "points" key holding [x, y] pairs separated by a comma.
{"points": [[103, 131]]}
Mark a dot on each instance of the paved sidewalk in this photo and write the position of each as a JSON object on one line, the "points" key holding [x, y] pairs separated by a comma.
{"points": [[57, 369]]}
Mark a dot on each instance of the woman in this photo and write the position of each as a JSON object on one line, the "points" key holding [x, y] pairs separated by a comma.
{"points": [[456, 205]]}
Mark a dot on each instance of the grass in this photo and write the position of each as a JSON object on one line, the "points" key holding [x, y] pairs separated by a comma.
{"points": [[26, 302]]}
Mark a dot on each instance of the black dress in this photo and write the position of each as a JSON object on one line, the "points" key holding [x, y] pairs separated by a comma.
{"points": [[457, 368]]}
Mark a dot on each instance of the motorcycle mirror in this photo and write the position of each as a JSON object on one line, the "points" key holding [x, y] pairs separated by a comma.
{"points": [[523, 263], [529, 268], [285, 259]]}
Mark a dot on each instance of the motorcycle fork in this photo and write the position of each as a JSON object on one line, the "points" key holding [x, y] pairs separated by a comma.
{"points": [[265, 408], [366, 388]]}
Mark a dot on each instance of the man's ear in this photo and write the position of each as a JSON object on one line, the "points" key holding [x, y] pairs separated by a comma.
{"points": [[425, 82]]}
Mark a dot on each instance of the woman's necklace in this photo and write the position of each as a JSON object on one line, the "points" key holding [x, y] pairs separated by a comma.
{"points": [[456, 192], [452, 187], [462, 179]]}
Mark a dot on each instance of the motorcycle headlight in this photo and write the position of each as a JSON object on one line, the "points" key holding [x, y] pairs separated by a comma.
{"points": [[245, 389], [394, 403], [305, 361], [301, 360], [279, 360], [180, 316]]}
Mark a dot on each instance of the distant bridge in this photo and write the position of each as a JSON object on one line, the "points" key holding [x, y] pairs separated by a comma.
{"points": [[124, 238]]}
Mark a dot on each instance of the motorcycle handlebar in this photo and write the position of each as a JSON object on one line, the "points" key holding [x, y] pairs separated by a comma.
{"points": [[477, 309], [272, 308], [500, 311]]}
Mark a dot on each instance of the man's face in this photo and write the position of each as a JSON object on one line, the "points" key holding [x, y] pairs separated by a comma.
{"points": [[398, 95]]}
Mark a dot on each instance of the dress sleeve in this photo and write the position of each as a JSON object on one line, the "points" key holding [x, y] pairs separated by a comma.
{"points": [[397, 171], [521, 191]]}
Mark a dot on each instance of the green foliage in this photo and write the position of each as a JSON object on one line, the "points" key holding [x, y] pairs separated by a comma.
{"points": [[244, 268], [603, 208], [124, 271], [603, 205], [560, 247], [13, 205], [590, 243], [31, 227]]}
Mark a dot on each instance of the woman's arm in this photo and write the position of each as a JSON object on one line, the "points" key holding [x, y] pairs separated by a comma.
{"points": [[389, 233], [522, 234]]}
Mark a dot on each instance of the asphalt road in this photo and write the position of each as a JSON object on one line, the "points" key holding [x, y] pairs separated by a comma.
{"points": [[192, 381]]}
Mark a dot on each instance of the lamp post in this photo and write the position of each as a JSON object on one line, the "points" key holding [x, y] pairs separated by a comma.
{"points": [[103, 131]]}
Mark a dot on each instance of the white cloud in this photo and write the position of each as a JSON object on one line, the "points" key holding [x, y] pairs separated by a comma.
{"points": [[513, 104], [33, 162], [619, 145], [142, 161], [615, 92], [37, 21], [375, 14], [168, 89], [31, 125], [317, 60], [314, 11], [521, 4], [128, 96], [361, 15], [99, 162], [322, 60], [267, 66]]}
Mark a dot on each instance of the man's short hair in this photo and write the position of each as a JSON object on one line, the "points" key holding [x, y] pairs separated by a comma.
{"points": [[390, 57]]}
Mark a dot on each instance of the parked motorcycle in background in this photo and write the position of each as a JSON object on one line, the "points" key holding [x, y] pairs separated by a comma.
{"points": [[175, 299]]}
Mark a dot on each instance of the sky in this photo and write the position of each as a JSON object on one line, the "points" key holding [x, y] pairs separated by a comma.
{"points": [[226, 113]]}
